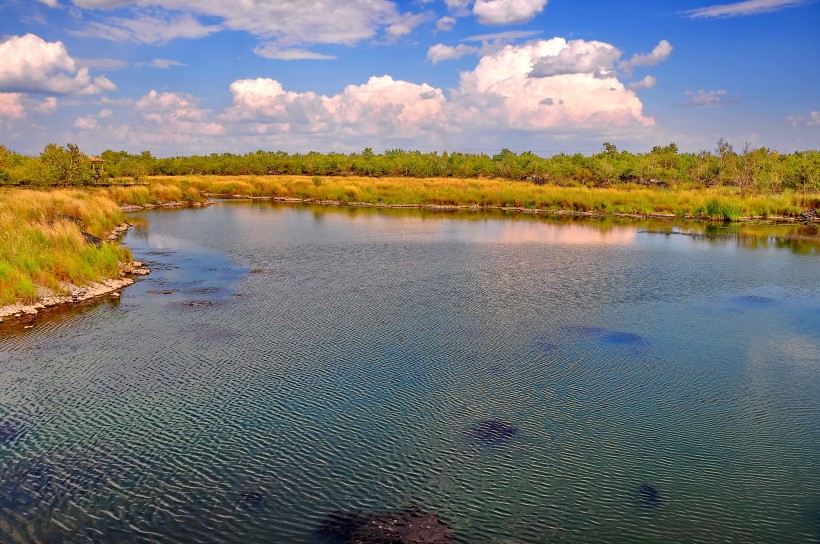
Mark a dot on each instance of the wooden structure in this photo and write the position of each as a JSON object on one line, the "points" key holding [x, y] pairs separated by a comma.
{"points": [[97, 168]]}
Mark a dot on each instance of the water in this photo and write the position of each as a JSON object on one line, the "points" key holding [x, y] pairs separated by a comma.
{"points": [[527, 380]]}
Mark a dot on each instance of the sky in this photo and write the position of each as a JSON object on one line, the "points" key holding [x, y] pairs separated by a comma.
{"points": [[178, 77]]}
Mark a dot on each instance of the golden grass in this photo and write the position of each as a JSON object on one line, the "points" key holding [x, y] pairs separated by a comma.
{"points": [[724, 203], [41, 241]]}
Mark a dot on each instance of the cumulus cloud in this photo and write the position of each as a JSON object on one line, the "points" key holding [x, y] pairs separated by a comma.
{"points": [[272, 51], [812, 119], [659, 54], [440, 52], [89, 122], [507, 12], [445, 24], [575, 57], [646, 83], [459, 7], [50, 3], [501, 93], [380, 106], [48, 105], [176, 113], [710, 99], [30, 64], [11, 106], [748, 7]]}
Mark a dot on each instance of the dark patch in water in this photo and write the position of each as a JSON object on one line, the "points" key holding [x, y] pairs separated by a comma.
{"points": [[410, 526], [622, 338], [11, 429], [215, 334], [203, 291], [754, 300], [162, 292], [493, 431], [257, 270], [542, 343], [197, 304], [253, 500], [649, 495], [607, 336]]}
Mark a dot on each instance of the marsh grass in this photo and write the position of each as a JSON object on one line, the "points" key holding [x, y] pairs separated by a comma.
{"points": [[717, 203], [42, 245]]}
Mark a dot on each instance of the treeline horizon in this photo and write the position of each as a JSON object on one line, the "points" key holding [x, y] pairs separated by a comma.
{"points": [[752, 169]]}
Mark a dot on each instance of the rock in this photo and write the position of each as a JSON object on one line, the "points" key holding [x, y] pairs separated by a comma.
{"points": [[407, 527]]}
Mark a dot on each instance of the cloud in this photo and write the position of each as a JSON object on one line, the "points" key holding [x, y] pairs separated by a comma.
{"points": [[459, 8], [50, 3], [150, 29], [89, 122], [710, 99], [30, 64], [102, 64], [48, 105], [380, 106], [812, 119], [445, 24], [501, 94], [405, 24], [646, 83], [659, 54], [11, 106], [272, 51], [748, 7], [575, 57], [176, 114], [162, 64], [440, 52], [490, 44], [507, 12]]}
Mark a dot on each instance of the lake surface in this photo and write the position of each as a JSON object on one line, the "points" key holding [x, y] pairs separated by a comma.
{"points": [[526, 379]]}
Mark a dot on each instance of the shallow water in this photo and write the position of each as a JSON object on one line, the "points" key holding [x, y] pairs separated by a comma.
{"points": [[528, 380]]}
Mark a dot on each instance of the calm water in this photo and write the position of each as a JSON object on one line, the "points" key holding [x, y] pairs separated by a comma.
{"points": [[527, 380]]}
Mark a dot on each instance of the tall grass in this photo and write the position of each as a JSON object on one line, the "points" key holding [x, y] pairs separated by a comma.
{"points": [[720, 203], [154, 193], [42, 245]]}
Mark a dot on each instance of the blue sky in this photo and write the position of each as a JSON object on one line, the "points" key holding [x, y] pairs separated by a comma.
{"points": [[548, 76]]}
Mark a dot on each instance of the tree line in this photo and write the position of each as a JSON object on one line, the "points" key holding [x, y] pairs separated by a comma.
{"points": [[752, 169]]}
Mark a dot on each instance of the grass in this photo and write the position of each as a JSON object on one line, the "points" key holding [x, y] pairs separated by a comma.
{"points": [[42, 245], [717, 203], [154, 193]]}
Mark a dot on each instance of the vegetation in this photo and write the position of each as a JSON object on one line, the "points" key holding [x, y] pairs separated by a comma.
{"points": [[42, 242], [719, 203], [753, 170]]}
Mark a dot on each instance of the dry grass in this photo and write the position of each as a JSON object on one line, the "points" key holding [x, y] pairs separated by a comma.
{"points": [[41, 241], [723, 203]]}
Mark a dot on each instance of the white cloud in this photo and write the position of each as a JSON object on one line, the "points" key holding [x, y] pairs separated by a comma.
{"points": [[440, 52], [710, 99], [748, 7], [812, 119], [48, 105], [405, 24], [50, 3], [11, 106], [646, 83], [459, 7], [30, 64], [382, 106], [507, 12], [161, 64], [659, 54], [176, 113], [506, 37], [144, 28], [101, 64], [575, 57], [445, 24], [500, 93], [272, 51], [88, 122]]}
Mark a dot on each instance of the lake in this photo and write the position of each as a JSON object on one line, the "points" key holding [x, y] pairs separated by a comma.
{"points": [[526, 379]]}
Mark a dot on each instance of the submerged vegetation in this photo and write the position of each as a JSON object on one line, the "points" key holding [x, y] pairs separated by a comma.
{"points": [[50, 238]]}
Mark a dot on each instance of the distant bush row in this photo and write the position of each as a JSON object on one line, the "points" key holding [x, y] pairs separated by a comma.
{"points": [[758, 170]]}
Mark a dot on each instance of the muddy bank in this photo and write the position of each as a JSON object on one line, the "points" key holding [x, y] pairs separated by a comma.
{"points": [[171, 204]]}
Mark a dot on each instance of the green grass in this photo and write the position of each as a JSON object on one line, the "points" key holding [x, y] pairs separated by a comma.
{"points": [[41, 241], [717, 203]]}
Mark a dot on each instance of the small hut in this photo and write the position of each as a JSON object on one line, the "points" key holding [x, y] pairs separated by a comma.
{"points": [[96, 166]]}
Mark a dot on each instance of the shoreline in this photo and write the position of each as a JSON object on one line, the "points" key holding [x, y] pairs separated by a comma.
{"points": [[76, 293], [514, 209]]}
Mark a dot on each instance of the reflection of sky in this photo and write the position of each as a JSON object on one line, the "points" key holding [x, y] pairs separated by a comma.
{"points": [[486, 230]]}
